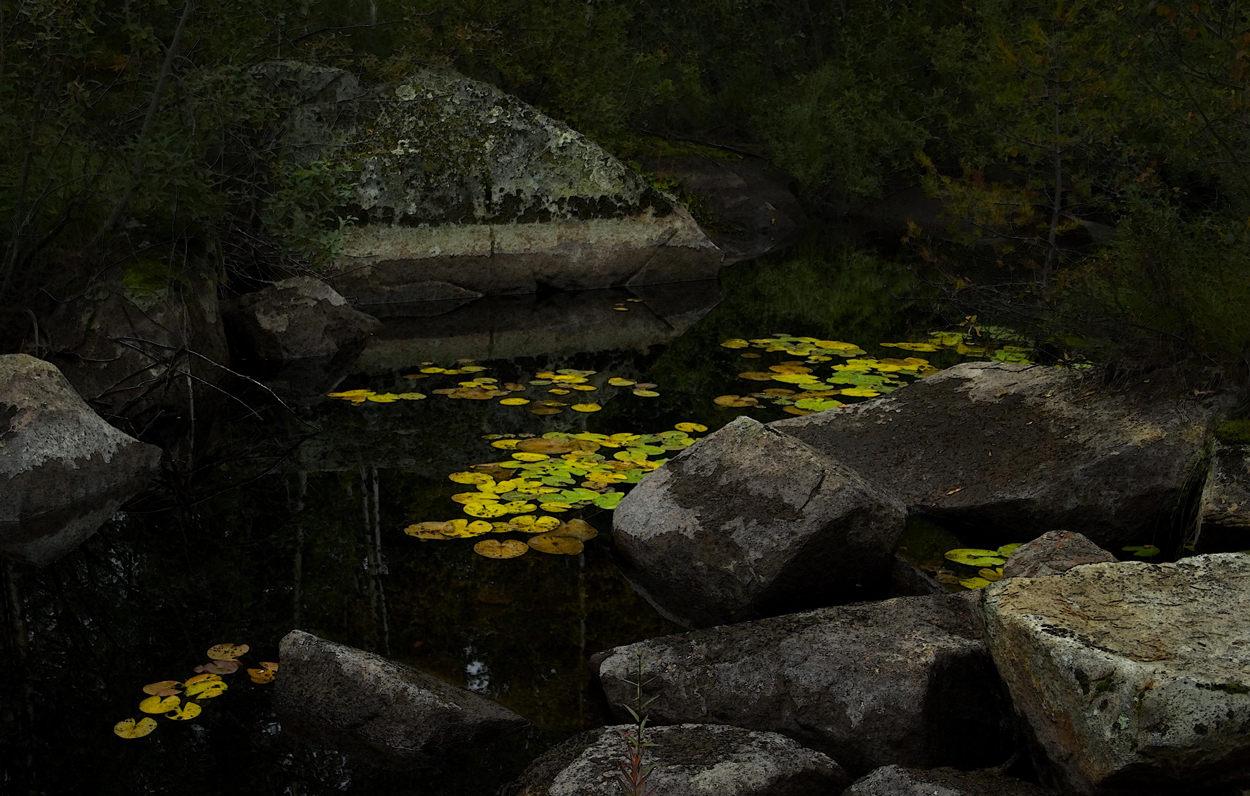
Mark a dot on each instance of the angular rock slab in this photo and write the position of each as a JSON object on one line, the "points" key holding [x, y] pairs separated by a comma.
{"points": [[750, 522], [384, 712], [899, 781], [1054, 553], [905, 681], [1226, 500], [1132, 677], [298, 318], [63, 470], [689, 760], [1025, 449]]}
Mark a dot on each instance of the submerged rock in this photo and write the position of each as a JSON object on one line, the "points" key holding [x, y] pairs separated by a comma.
{"points": [[459, 190], [689, 760], [749, 522], [379, 710], [298, 318], [1054, 553], [1132, 677], [905, 681], [1025, 449], [899, 781], [63, 470]]}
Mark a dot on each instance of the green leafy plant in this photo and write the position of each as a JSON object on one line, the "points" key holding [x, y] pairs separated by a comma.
{"points": [[634, 773]]}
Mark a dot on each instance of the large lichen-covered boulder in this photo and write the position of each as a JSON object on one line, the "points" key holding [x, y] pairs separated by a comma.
{"points": [[900, 781], [462, 190], [749, 522], [1054, 553], [1022, 449], [63, 470], [688, 760], [1131, 677], [905, 681], [382, 711]]}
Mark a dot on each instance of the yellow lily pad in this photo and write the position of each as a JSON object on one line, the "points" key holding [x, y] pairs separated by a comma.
{"points": [[350, 394], [496, 548], [410, 396], [575, 529], [156, 704], [164, 688], [129, 728], [585, 407], [260, 676], [485, 510], [646, 393], [617, 381], [859, 392], [794, 410], [556, 545], [514, 401], [227, 652], [471, 478], [518, 507], [735, 343], [736, 401], [691, 427], [429, 531], [383, 398], [184, 712], [525, 456], [206, 689], [544, 411], [757, 375]]}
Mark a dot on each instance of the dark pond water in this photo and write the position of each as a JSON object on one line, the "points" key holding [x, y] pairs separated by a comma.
{"points": [[297, 522]]}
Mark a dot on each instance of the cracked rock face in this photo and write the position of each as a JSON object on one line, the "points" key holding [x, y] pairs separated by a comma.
{"points": [[1021, 450], [905, 681], [299, 318], [384, 712], [749, 522], [1132, 677], [689, 760], [63, 470], [899, 781]]}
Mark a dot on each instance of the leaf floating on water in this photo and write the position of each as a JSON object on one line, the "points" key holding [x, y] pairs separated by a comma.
{"points": [[817, 404], [383, 398], [757, 375], [1007, 549], [688, 427], [735, 343], [974, 583], [185, 712], [575, 529], [219, 667], [545, 411], [495, 548], [485, 510], [429, 531], [269, 665], [619, 382], [471, 478], [206, 689], [227, 652], [417, 376], [129, 728], [587, 407], [975, 557], [556, 545], [794, 410], [156, 704], [919, 347], [609, 501], [525, 456], [992, 574], [860, 392], [735, 401], [164, 688], [505, 444]]}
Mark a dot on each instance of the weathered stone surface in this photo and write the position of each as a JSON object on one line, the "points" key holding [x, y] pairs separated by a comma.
{"points": [[1025, 449], [377, 709], [750, 522], [298, 318], [1054, 553], [146, 347], [749, 206], [899, 781], [461, 190], [904, 681], [1226, 500], [689, 760], [63, 470], [1132, 677]]}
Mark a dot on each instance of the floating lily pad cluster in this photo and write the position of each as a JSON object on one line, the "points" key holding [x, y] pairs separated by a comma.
{"points": [[987, 563], [567, 384], [182, 700], [854, 375], [556, 473]]}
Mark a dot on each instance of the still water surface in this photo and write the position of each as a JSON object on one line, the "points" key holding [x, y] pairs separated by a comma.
{"points": [[297, 522]]}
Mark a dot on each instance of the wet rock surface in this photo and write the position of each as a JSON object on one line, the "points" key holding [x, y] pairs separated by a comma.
{"points": [[381, 711], [900, 781], [298, 318], [906, 681], [749, 522], [1054, 553], [63, 470], [1131, 677], [689, 760], [1023, 449]]}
